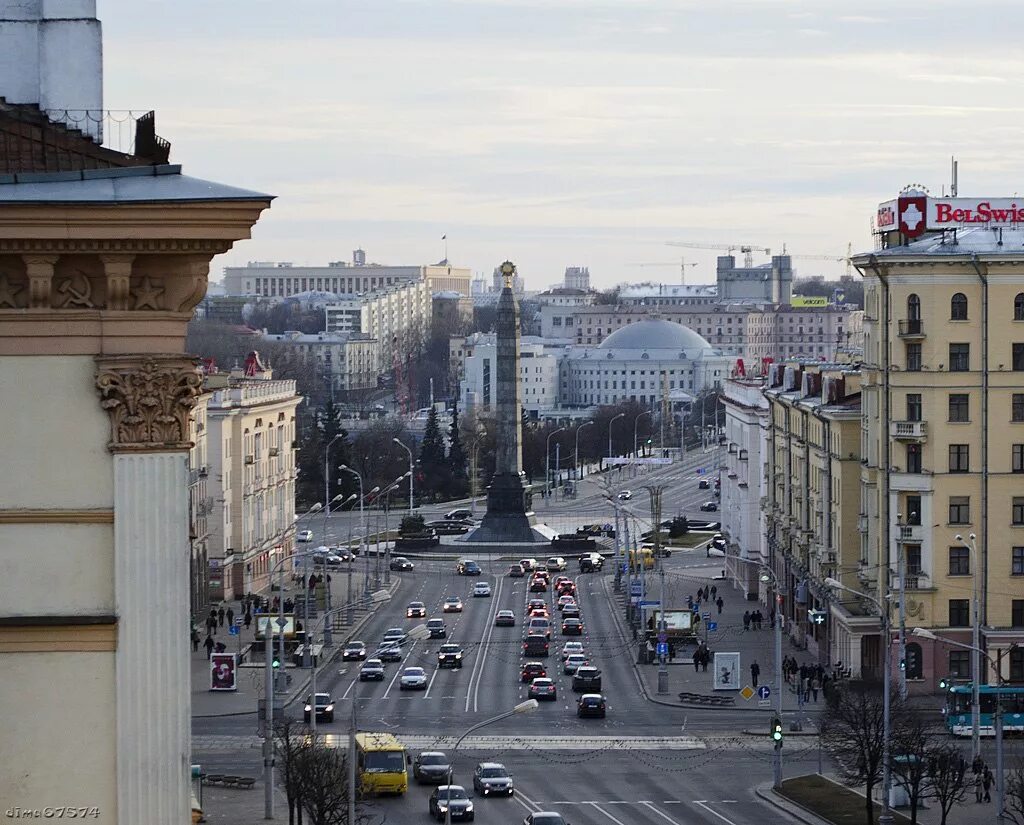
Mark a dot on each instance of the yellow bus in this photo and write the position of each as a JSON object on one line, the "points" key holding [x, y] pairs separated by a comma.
{"points": [[644, 556], [380, 764]]}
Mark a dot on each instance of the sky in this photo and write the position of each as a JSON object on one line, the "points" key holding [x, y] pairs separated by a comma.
{"points": [[563, 133]]}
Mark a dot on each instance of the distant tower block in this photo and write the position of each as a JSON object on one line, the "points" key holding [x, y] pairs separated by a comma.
{"points": [[358, 257], [577, 277]]}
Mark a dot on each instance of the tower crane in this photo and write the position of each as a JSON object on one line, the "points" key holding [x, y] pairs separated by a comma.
{"points": [[748, 250], [843, 259], [682, 267]]}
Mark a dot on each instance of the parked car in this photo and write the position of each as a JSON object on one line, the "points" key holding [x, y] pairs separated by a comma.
{"points": [[449, 655], [481, 589], [453, 800], [353, 651], [505, 618], [586, 678], [492, 779], [413, 678], [437, 629], [324, 708], [304, 535], [431, 767], [401, 563], [372, 669], [709, 507], [591, 704]]}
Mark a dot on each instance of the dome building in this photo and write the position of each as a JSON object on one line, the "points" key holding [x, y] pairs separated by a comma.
{"points": [[639, 362]]}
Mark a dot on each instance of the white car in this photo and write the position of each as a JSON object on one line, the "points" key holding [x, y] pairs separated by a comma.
{"points": [[625, 495], [393, 636], [304, 535], [413, 678], [573, 661], [481, 589], [570, 648]]}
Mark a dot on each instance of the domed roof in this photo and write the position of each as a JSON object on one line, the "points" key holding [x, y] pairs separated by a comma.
{"points": [[654, 333]]}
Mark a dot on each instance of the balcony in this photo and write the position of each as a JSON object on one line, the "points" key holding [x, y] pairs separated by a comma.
{"points": [[913, 533], [909, 430], [911, 328]]}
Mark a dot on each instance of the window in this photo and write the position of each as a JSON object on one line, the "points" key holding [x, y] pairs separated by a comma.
{"points": [[1017, 408], [913, 307], [958, 407], [1018, 357], [958, 307], [913, 559], [1018, 458], [1017, 561], [959, 509], [913, 406], [959, 613], [913, 458], [1018, 307], [959, 458], [1017, 665], [1017, 613], [959, 561], [959, 664], [1018, 511], [913, 509], [913, 357], [959, 357]]}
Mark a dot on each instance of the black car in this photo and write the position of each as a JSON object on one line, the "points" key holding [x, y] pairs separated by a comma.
{"points": [[531, 671], [449, 656], [431, 767], [591, 704], [572, 627], [454, 799], [354, 651], [467, 567], [535, 645], [401, 563], [372, 669], [703, 484], [390, 653], [709, 507], [448, 528], [587, 678], [571, 611], [437, 629]]}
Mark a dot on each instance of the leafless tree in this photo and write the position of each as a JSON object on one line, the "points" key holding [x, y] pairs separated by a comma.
{"points": [[325, 783], [290, 741], [947, 777], [913, 739]]}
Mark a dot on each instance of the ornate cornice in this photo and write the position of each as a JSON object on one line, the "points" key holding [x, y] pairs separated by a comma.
{"points": [[149, 398], [186, 246]]}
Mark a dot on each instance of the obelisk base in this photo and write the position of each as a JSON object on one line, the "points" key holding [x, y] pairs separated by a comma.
{"points": [[509, 516]]}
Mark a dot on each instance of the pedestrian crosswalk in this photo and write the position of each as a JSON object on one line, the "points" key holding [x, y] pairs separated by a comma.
{"points": [[490, 743]]}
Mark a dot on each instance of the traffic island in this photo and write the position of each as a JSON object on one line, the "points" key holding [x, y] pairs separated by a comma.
{"points": [[831, 801]]}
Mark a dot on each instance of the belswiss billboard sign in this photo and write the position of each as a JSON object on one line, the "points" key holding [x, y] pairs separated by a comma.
{"points": [[914, 215]]}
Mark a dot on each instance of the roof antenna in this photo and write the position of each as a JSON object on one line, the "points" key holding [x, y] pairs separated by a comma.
{"points": [[954, 189]]}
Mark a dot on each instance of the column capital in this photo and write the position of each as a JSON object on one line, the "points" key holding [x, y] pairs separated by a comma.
{"points": [[149, 398]]}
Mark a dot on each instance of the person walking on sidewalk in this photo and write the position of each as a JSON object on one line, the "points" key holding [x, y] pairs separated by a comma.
{"points": [[977, 787], [746, 620], [986, 782], [714, 591], [719, 604], [231, 616], [208, 644], [220, 616], [755, 671], [195, 640], [248, 619], [696, 660], [815, 684]]}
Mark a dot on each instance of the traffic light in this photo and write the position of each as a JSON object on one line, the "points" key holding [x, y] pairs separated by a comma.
{"points": [[944, 684], [275, 662], [776, 730], [903, 664]]}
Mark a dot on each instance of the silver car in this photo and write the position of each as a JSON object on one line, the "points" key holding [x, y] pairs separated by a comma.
{"points": [[413, 678], [492, 779]]}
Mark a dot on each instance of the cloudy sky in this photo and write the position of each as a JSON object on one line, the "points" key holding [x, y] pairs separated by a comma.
{"points": [[573, 132]]}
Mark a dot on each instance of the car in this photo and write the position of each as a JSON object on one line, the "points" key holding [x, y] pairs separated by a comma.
{"points": [[591, 704], [540, 625], [571, 647], [516, 572], [416, 610], [372, 669], [436, 629], [564, 600], [587, 678], [431, 767], [571, 611], [703, 484], [709, 507], [467, 567], [538, 612], [445, 527], [536, 603], [718, 541], [625, 495], [453, 801], [718, 492], [531, 671], [505, 618], [544, 818], [572, 627], [528, 564], [538, 586], [572, 663], [558, 581], [567, 589], [393, 636], [449, 655], [459, 514], [353, 651], [413, 678], [481, 589], [323, 557], [543, 688], [401, 563], [535, 644], [324, 708], [390, 653], [556, 564], [453, 604], [304, 535], [492, 779]]}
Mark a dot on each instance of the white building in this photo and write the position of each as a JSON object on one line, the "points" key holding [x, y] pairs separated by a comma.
{"points": [[577, 277], [538, 376], [743, 520], [349, 359], [558, 309], [650, 294], [641, 362]]}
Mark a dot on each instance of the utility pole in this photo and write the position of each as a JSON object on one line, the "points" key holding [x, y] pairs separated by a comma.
{"points": [[558, 465], [901, 569], [655, 493]]}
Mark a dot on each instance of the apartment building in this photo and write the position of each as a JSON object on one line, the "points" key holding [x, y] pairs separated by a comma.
{"points": [[250, 423], [200, 504], [538, 377], [349, 360], [943, 431]]}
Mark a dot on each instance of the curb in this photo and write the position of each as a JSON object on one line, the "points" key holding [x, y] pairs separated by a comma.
{"points": [[787, 806]]}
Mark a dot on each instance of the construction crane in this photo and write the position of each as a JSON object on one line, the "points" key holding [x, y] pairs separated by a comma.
{"points": [[682, 267], [748, 250], [843, 259]]}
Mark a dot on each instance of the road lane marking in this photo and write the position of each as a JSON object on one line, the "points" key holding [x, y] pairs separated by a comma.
{"points": [[666, 817], [597, 807], [485, 643], [348, 690], [525, 801], [398, 670], [430, 684], [711, 810]]}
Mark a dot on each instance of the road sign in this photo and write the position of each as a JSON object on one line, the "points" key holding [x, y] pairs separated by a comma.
{"points": [[764, 692], [649, 603], [712, 626], [747, 692], [662, 649], [662, 636], [233, 630], [238, 621], [764, 703], [636, 588], [705, 615]]}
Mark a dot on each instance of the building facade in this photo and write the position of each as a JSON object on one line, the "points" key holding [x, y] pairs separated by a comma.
{"points": [[557, 309], [200, 504], [538, 377], [349, 361]]}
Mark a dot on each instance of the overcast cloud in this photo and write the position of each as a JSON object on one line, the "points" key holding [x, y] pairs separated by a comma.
{"points": [[566, 132]]}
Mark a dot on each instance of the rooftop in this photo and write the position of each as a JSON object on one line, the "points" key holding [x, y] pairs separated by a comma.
{"points": [[1002, 242], [654, 333]]}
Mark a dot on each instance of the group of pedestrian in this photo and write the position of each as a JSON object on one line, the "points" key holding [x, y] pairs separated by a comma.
{"points": [[701, 658], [807, 680], [983, 780], [705, 594], [753, 620]]}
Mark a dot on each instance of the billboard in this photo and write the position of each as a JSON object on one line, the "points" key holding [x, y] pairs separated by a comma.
{"points": [[727, 671], [916, 214], [223, 669], [808, 301]]}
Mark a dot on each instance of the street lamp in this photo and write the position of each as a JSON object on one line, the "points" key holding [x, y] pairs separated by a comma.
{"points": [[327, 472], [768, 577], [404, 447], [976, 645], [883, 612], [614, 418], [528, 706], [636, 421], [547, 462], [576, 449], [362, 519], [923, 633]]}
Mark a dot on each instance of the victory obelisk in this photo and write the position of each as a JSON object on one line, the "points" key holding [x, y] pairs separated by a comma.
{"points": [[509, 516]]}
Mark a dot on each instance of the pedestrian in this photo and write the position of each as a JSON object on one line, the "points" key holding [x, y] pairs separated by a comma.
{"points": [[208, 644], [689, 601], [755, 671], [977, 787], [746, 620], [707, 593], [195, 640], [978, 765], [760, 620], [704, 659], [231, 617], [248, 620], [719, 604], [771, 619], [714, 590], [815, 684], [220, 647], [220, 616], [696, 660], [986, 782]]}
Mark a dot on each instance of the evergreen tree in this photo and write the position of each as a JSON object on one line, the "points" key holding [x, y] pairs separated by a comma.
{"points": [[432, 457], [330, 427], [456, 458]]}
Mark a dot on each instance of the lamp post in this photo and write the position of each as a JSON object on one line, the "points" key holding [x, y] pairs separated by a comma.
{"points": [[975, 646], [1000, 781], [404, 447], [528, 706], [768, 577], [636, 422], [472, 473], [387, 529], [886, 816], [316, 508], [576, 450], [327, 475], [614, 418], [547, 462]]}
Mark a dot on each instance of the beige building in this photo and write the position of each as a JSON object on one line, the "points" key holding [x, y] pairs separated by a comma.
{"points": [[943, 434], [200, 504], [349, 360], [251, 433]]}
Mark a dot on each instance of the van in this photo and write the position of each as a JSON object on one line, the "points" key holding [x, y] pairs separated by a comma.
{"points": [[535, 645], [541, 626]]}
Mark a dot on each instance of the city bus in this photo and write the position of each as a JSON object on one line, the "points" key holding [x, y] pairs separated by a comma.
{"points": [[380, 764], [644, 556], [958, 709]]}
